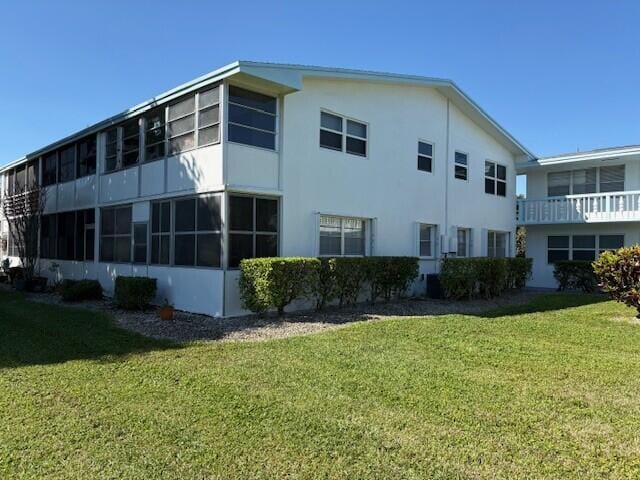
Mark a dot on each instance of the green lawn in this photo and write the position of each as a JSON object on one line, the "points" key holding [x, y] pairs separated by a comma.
{"points": [[549, 390]]}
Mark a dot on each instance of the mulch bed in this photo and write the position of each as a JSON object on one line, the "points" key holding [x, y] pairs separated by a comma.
{"points": [[189, 327]]}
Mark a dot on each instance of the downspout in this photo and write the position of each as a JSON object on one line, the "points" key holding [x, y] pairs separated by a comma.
{"points": [[446, 183]]}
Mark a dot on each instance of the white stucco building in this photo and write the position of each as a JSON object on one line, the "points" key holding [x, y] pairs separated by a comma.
{"points": [[260, 159], [579, 205]]}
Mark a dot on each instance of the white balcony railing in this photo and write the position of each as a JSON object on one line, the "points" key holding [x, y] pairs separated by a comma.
{"points": [[592, 207]]}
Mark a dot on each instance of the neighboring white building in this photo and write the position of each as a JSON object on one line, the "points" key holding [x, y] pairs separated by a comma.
{"points": [[260, 159], [579, 205]]}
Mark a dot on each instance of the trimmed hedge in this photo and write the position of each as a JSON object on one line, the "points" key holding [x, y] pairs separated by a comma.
{"points": [[276, 282], [267, 283], [482, 276], [619, 275], [76, 291], [135, 293], [575, 275]]}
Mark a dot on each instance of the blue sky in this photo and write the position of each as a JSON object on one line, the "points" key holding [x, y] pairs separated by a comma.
{"points": [[559, 75]]}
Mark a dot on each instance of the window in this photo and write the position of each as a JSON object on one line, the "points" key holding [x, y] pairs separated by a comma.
{"points": [[115, 234], [495, 179], [11, 182], [130, 142], [612, 178], [49, 169], [33, 174], [253, 228], [461, 166], [21, 179], [181, 127], [140, 242], [48, 235], [497, 244], [580, 247], [463, 242], [584, 181], [342, 236], [111, 149], [85, 234], [610, 242], [425, 156], [334, 137], [209, 117], [427, 233], [154, 135], [557, 248], [67, 163], [197, 231], [86, 157], [252, 118], [160, 233]]}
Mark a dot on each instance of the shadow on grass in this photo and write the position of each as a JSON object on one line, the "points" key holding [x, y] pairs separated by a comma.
{"points": [[545, 303], [38, 334]]}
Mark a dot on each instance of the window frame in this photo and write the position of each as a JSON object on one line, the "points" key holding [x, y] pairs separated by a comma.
{"points": [[421, 155], [467, 244], [495, 179], [597, 249], [254, 231], [344, 133], [432, 240], [495, 234], [465, 165], [116, 235], [195, 232], [342, 218], [229, 123], [598, 180]]}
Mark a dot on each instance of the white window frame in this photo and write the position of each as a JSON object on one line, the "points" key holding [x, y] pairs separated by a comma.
{"points": [[342, 218], [495, 179], [467, 233], [597, 181], [433, 232], [276, 132], [421, 155], [344, 134], [596, 249], [495, 234], [465, 166]]}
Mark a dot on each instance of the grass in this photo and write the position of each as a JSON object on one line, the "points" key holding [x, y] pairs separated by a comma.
{"points": [[546, 390]]}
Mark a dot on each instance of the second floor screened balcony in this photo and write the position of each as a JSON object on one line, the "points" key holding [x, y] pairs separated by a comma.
{"points": [[586, 208]]}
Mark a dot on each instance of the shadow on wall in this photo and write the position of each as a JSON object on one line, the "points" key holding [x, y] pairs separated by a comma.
{"points": [[39, 334]]}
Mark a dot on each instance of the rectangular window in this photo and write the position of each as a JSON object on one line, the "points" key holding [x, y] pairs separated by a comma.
{"points": [[209, 117], [66, 235], [557, 248], [11, 182], [182, 125], [67, 163], [50, 169], [198, 230], [584, 181], [610, 242], [612, 178], [497, 244], [342, 236], [20, 179], [463, 242], [140, 242], [252, 118], [154, 135], [583, 247], [115, 234], [343, 134], [461, 166], [33, 174], [558, 184], [160, 233], [86, 164], [253, 228], [130, 142], [495, 179], [427, 233], [48, 236], [425, 157]]}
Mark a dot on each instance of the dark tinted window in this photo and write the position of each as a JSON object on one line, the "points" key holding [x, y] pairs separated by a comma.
{"points": [[557, 255], [208, 254], [330, 140], [185, 218], [185, 249], [356, 146], [253, 100], [241, 213], [240, 246], [67, 163], [49, 169], [248, 136], [556, 241], [87, 156], [140, 243], [209, 213], [266, 215]]}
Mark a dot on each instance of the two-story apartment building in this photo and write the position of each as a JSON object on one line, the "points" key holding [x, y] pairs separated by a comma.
{"points": [[260, 159], [579, 205]]}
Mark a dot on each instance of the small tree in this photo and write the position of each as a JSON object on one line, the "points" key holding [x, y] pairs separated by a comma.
{"points": [[23, 212], [521, 242], [619, 275]]}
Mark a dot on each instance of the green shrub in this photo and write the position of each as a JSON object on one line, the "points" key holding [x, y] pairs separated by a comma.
{"points": [[75, 291], [518, 271], [472, 277], [135, 293], [575, 275], [325, 289], [619, 275], [389, 277], [349, 277], [276, 282]]}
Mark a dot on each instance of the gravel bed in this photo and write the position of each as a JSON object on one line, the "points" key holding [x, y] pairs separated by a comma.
{"points": [[189, 327]]}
